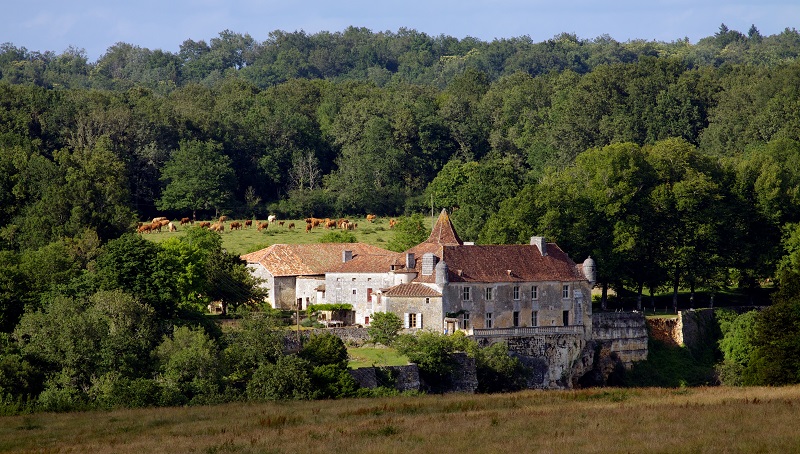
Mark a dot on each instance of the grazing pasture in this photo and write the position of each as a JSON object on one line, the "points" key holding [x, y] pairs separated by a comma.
{"points": [[244, 240], [604, 420]]}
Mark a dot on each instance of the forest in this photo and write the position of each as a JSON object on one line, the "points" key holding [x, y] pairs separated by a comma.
{"points": [[674, 165]]}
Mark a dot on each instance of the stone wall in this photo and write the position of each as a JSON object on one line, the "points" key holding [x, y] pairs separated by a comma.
{"points": [[350, 335], [401, 378], [665, 330], [626, 332], [549, 356]]}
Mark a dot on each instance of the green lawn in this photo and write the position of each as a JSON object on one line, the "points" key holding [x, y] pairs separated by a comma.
{"points": [[373, 356], [249, 240]]}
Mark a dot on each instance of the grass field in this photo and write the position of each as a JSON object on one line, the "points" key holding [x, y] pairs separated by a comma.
{"points": [[249, 240], [369, 356], [707, 420]]}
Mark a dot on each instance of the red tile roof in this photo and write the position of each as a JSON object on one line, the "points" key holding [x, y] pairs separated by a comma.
{"points": [[307, 259], [410, 290], [508, 263], [371, 263], [443, 231]]}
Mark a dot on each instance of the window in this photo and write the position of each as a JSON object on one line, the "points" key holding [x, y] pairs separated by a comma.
{"points": [[413, 320], [565, 291], [465, 295], [566, 318], [535, 292], [489, 293], [488, 320], [369, 295], [366, 320], [534, 318], [516, 318], [354, 291], [516, 293], [427, 300], [465, 321]]}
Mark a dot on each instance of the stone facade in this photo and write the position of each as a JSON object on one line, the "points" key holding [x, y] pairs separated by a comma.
{"points": [[626, 332], [359, 290], [280, 289]]}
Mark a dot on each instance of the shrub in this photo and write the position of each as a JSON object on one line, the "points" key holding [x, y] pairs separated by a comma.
{"points": [[384, 327], [288, 378], [324, 349]]}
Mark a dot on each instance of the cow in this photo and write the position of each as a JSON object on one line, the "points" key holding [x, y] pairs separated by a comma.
{"points": [[248, 223], [172, 227], [263, 225], [155, 226], [185, 221], [392, 223], [272, 218], [330, 224], [164, 222], [218, 227], [308, 227], [371, 218], [280, 223], [205, 224], [159, 219], [144, 228], [291, 225], [223, 219], [236, 225]]}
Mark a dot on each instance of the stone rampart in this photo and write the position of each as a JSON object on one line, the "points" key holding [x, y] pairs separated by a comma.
{"points": [[625, 331], [351, 336]]}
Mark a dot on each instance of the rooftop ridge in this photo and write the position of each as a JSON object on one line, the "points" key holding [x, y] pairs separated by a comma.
{"points": [[443, 231]]}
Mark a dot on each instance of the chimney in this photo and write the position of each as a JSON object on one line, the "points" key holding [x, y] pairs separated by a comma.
{"points": [[410, 262], [347, 256], [541, 243]]}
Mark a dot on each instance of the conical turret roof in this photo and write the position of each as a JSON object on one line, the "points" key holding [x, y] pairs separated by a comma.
{"points": [[443, 231]]}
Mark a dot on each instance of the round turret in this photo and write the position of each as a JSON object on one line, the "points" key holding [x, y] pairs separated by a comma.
{"points": [[441, 274], [590, 270]]}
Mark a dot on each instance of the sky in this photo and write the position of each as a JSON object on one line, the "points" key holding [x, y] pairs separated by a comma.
{"points": [[96, 25]]}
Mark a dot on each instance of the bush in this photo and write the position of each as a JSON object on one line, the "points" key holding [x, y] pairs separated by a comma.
{"points": [[338, 236], [498, 371], [384, 327], [324, 349], [289, 378]]}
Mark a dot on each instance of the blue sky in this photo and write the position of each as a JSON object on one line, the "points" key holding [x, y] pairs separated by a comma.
{"points": [[95, 25]]}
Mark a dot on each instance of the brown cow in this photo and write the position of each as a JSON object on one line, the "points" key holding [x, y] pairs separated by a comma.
{"points": [[205, 224], [280, 223], [218, 227], [330, 224], [164, 222], [371, 218], [185, 221], [291, 225], [308, 227], [159, 219], [248, 223], [223, 219], [263, 225], [392, 223], [144, 228], [236, 225], [155, 226]]}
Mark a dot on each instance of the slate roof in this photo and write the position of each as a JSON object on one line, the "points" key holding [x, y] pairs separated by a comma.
{"points": [[307, 259], [411, 290], [443, 231]]}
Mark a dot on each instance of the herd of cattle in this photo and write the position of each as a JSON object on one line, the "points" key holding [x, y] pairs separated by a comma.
{"points": [[159, 223]]}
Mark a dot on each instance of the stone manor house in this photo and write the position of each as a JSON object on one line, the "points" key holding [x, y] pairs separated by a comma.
{"points": [[442, 284]]}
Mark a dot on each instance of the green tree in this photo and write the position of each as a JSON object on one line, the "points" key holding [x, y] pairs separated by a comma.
{"points": [[288, 378], [409, 232], [338, 236], [384, 327], [198, 177], [189, 366]]}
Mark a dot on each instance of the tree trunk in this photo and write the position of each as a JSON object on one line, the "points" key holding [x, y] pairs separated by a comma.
{"points": [[675, 282], [691, 294], [639, 297], [653, 296], [604, 297]]}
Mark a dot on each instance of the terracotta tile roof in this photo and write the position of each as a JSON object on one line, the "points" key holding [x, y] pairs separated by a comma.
{"points": [[443, 231], [508, 263], [412, 289], [371, 263], [307, 259]]}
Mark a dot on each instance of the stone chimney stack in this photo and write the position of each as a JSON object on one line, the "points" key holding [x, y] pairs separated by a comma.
{"points": [[347, 256], [541, 243], [410, 262]]}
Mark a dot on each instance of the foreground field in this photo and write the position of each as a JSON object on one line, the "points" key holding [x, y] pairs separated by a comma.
{"points": [[597, 420]]}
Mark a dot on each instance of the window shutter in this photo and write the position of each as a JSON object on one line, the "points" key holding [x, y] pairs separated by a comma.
{"points": [[405, 317], [419, 320]]}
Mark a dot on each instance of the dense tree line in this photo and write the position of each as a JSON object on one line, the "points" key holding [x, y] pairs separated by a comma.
{"points": [[672, 164]]}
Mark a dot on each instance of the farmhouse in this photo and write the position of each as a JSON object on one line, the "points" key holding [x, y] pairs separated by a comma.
{"points": [[295, 273], [446, 285]]}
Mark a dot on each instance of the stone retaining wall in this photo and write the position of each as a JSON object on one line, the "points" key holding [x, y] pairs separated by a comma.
{"points": [[625, 331]]}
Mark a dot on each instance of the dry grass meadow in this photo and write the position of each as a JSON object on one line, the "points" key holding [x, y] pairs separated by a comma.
{"points": [[722, 420]]}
